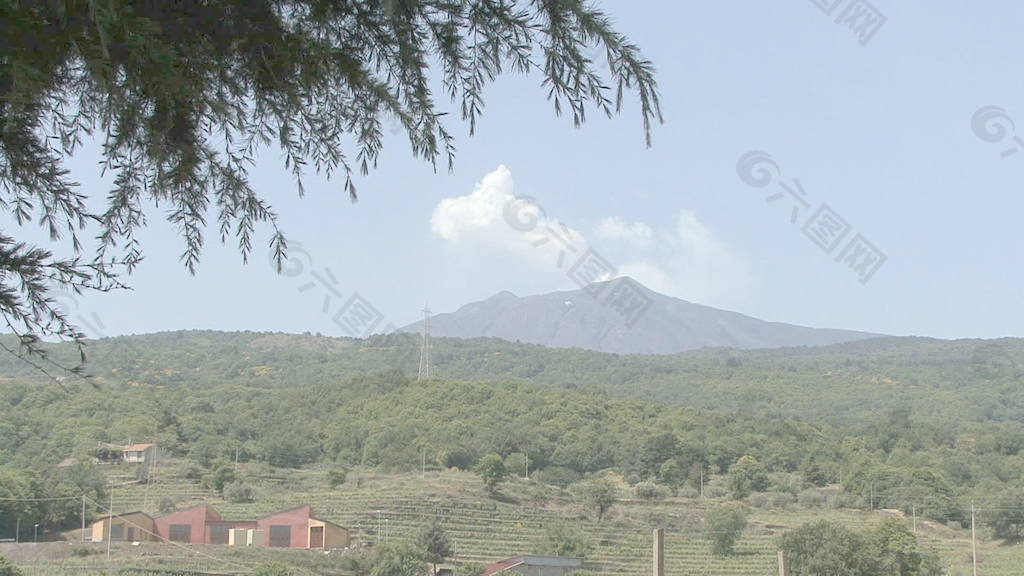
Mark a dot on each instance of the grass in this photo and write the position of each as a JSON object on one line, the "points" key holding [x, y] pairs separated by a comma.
{"points": [[393, 507]]}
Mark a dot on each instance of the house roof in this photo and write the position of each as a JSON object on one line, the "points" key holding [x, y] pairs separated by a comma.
{"points": [[209, 509], [290, 510], [137, 447], [501, 566], [532, 560], [121, 515], [328, 522]]}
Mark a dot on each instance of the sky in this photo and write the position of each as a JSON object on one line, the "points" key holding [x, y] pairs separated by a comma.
{"points": [[816, 166]]}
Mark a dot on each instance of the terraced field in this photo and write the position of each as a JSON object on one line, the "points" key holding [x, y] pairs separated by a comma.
{"points": [[381, 507]]}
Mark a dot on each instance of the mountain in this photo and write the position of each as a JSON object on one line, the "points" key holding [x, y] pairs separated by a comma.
{"points": [[622, 316]]}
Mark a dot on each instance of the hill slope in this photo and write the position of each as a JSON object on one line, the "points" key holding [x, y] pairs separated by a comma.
{"points": [[624, 317]]}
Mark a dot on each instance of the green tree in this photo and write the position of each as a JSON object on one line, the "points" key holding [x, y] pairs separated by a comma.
{"points": [[723, 527], [218, 478], [470, 569], [188, 95], [896, 549], [517, 464], [672, 473], [656, 450], [746, 476], [398, 560], [434, 542], [564, 539], [599, 495], [336, 477], [491, 469], [1007, 518], [825, 547], [8, 569]]}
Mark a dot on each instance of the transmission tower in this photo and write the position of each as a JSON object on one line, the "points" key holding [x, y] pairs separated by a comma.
{"points": [[424, 372]]}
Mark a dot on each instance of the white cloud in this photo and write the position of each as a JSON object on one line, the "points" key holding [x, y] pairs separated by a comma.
{"points": [[500, 241], [690, 262], [504, 234], [636, 233]]}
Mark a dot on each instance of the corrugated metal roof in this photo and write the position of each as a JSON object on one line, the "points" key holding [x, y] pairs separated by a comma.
{"points": [[136, 447], [500, 567]]}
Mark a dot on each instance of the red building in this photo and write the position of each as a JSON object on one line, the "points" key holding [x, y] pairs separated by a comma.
{"points": [[193, 526], [288, 529], [295, 528]]}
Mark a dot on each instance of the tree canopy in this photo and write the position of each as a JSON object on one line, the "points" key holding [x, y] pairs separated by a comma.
{"points": [[184, 95]]}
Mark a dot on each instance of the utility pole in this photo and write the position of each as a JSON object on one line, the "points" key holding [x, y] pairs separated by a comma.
{"points": [[782, 563], [83, 517], [17, 531], [423, 470], [527, 465], [914, 509], [659, 552], [110, 522], [974, 543], [702, 480]]}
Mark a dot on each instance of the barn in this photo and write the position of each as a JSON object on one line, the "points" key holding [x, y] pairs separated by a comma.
{"points": [[295, 528], [127, 527]]}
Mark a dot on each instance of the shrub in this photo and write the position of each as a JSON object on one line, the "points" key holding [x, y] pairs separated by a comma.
{"points": [[470, 569], [336, 477], [558, 476], [723, 527], [563, 539], [272, 569], [193, 472], [168, 504], [746, 476], [221, 475], [517, 464], [8, 569], [238, 492], [648, 491], [81, 551], [813, 498]]}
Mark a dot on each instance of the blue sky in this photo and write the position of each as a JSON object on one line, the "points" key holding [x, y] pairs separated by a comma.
{"points": [[880, 132]]}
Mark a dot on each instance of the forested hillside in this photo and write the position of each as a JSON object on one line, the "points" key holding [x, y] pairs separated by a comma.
{"points": [[902, 423], [843, 384]]}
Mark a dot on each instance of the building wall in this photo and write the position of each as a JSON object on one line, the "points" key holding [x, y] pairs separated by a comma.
{"points": [[130, 527], [535, 570], [196, 518], [297, 520], [334, 536]]}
